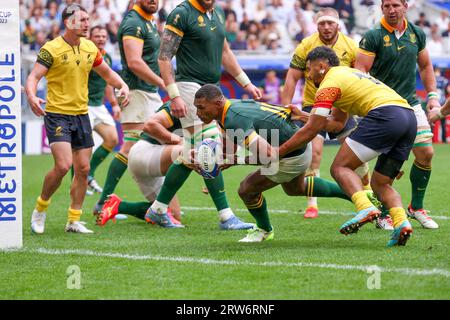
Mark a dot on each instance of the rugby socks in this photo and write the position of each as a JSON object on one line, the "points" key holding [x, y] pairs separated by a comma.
{"points": [[398, 216], [135, 209], [116, 170], [258, 210], [42, 205], [73, 215], [361, 201], [175, 178], [318, 187], [419, 177], [216, 188], [98, 156], [312, 201]]}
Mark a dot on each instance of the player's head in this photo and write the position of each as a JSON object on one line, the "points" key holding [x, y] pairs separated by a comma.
{"points": [[98, 35], [207, 4], [318, 62], [148, 6], [394, 11], [76, 20], [327, 24], [209, 101]]}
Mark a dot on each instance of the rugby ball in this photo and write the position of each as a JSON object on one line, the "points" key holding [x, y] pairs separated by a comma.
{"points": [[207, 158]]}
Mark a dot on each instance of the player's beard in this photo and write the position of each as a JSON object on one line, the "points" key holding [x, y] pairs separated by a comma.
{"points": [[149, 9], [329, 38], [207, 4]]}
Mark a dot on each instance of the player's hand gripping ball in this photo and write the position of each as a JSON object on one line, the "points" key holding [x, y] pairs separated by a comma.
{"points": [[207, 158]]}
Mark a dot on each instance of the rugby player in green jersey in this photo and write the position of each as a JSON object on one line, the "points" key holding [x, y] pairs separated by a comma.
{"points": [[101, 120], [390, 52], [149, 159], [261, 128], [195, 34], [139, 43]]}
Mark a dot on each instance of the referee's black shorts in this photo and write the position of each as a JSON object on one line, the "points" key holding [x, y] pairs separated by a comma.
{"points": [[75, 129]]}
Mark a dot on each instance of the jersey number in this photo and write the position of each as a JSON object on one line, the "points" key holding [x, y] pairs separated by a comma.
{"points": [[281, 111], [366, 76]]}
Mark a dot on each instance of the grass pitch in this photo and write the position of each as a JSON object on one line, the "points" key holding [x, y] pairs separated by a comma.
{"points": [[309, 259]]}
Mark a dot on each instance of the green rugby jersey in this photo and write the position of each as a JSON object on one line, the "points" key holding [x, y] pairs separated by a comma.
{"points": [[254, 119], [97, 84], [175, 124], [138, 25], [395, 59], [199, 56]]}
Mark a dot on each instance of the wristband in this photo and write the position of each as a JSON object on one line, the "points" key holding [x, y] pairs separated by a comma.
{"points": [[243, 79], [440, 115], [432, 95], [172, 90]]}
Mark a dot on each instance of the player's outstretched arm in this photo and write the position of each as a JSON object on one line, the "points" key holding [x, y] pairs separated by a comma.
{"points": [[113, 79], [170, 43], [33, 79], [231, 65], [308, 132], [292, 77]]}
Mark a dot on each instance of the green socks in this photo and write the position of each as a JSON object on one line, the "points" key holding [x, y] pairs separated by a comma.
{"points": [[419, 177], [116, 170], [175, 178], [216, 189], [99, 155], [259, 211], [136, 209], [318, 187]]}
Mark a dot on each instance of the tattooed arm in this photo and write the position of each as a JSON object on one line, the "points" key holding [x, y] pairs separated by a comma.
{"points": [[169, 47]]}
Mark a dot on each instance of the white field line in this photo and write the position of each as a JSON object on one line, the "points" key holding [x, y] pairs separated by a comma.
{"points": [[341, 213], [207, 261]]}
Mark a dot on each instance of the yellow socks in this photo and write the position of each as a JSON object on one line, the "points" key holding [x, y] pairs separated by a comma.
{"points": [[42, 205], [74, 215], [361, 201], [398, 216], [367, 187]]}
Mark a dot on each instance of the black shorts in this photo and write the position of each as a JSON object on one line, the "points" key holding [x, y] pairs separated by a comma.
{"points": [[350, 125], [73, 129], [390, 130]]}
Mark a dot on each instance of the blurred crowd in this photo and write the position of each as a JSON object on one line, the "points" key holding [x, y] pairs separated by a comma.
{"points": [[276, 26], [252, 26]]}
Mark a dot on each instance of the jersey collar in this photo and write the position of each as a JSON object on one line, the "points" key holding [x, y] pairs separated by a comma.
{"points": [[389, 28], [142, 13], [225, 110], [197, 6]]}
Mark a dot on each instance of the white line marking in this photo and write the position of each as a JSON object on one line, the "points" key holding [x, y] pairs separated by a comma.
{"points": [[207, 261], [292, 212]]}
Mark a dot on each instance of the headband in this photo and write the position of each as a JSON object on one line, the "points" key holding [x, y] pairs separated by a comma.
{"points": [[328, 18]]}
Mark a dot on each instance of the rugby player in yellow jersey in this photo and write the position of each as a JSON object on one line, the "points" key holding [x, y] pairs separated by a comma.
{"points": [[346, 49], [350, 92], [66, 62]]}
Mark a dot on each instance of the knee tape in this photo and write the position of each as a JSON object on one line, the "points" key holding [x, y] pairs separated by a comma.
{"points": [[388, 167], [362, 170]]}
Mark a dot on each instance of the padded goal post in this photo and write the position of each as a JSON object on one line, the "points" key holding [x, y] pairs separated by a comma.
{"points": [[10, 127]]}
